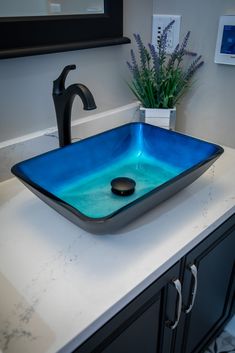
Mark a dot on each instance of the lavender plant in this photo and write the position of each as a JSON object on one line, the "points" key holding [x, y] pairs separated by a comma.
{"points": [[159, 80]]}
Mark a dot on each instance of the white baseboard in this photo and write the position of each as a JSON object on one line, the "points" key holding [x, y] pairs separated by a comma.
{"points": [[27, 146]]}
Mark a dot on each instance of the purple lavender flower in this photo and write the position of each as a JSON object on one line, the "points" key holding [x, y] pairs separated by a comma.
{"points": [[182, 50], [173, 57], [193, 68], [130, 67], [133, 58], [163, 39], [142, 50], [185, 42], [155, 57], [190, 53]]}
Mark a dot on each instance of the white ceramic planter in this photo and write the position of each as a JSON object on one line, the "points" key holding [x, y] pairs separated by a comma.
{"points": [[159, 117]]}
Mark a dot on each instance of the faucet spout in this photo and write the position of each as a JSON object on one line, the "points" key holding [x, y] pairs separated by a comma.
{"points": [[84, 93], [63, 101]]}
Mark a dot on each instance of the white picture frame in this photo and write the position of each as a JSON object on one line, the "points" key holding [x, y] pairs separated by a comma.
{"points": [[223, 55]]}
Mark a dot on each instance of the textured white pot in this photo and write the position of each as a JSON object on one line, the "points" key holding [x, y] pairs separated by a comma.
{"points": [[159, 117]]}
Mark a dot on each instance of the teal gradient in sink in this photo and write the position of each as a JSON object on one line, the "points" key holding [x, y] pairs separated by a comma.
{"points": [[92, 194]]}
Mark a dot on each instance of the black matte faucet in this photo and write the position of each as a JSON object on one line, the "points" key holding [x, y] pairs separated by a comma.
{"points": [[63, 100]]}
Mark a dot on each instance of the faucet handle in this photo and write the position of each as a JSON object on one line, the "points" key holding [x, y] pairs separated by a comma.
{"points": [[59, 83]]}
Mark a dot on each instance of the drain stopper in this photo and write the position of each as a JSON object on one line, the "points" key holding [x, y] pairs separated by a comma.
{"points": [[123, 186]]}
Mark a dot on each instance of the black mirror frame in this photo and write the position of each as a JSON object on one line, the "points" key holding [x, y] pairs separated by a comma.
{"points": [[22, 36]]}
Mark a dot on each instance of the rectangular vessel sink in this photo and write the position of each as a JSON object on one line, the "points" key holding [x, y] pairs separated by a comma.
{"points": [[76, 179]]}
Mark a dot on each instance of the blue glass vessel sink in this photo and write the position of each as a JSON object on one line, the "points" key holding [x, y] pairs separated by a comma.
{"points": [[76, 179]]}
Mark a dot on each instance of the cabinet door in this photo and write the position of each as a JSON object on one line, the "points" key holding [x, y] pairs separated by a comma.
{"points": [[214, 261], [140, 335], [141, 327]]}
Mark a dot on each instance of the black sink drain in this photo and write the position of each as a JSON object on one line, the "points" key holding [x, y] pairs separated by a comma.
{"points": [[123, 186]]}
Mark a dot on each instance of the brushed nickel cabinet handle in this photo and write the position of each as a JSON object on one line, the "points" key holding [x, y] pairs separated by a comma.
{"points": [[193, 270], [178, 287]]}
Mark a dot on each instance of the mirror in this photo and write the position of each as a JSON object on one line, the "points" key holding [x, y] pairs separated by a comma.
{"points": [[99, 23], [13, 8]]}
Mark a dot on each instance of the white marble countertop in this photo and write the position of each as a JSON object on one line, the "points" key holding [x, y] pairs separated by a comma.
{"points": [[58, 284]]}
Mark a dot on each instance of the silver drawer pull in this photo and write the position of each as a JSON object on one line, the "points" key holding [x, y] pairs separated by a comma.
{"points": [[193, 270], [177, 284]]}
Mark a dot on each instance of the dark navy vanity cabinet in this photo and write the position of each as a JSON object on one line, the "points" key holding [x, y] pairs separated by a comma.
{"points": [[183, 310], [215, 260]]}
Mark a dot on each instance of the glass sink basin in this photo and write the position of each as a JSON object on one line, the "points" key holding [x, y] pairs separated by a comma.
{"points": [[76, 179]]}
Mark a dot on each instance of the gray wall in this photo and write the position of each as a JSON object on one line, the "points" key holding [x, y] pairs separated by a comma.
{"points": [[26, 83], [208, 110]]}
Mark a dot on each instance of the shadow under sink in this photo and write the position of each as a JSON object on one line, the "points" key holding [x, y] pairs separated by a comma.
{"points": [[76, 179]]}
